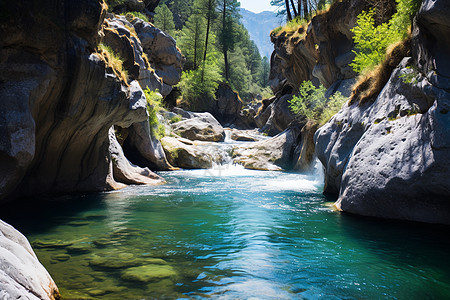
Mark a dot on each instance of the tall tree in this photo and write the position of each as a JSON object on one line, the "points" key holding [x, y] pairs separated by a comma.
{"points": [[288, 11], [191, 40], [227, 35], [265, 70], [305, 9], [164, 19], [207, 9], [293, 8]]}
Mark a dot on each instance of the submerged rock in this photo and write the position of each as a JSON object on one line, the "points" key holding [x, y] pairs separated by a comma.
{"points": [[79, 249], [21, 274], [148, 273], [114, 262], [51, 244]]}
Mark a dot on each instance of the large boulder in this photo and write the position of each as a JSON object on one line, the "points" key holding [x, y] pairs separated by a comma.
{"points": [[274, 154], [21, 274], [202, 127], [162, 51], [373, 151], [189, 154]]}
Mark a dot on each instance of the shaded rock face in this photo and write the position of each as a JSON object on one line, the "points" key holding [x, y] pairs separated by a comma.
{"points": [[60, 97], [126, 172], [390, 158], [431, 41], [21, 274], [280, 116], [228, 104]]}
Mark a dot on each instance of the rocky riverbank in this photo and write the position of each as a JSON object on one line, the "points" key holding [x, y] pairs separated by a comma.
{"points": [[385, 154]]}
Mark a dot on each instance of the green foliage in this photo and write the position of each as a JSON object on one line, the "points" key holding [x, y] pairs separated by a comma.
{"points": [[332, 106], [312, 104], [112, 4], [309, 102], [112, 60], [154, 106], [191, 41], [193, 87], [135, 14], [175, 119], [410, 76], [163, 19], [265, 71], [371, 42], [180, 8]]}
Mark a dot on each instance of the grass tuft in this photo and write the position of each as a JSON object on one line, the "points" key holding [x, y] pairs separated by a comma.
{"points": [[112, 60]]}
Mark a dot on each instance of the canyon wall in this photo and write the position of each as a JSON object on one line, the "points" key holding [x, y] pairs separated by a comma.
{"points": [[61, 95], [387, 155]]}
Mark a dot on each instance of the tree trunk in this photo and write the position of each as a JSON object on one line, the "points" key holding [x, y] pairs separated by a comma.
{"points": [[195, 51], [208, 25], [288, 10], [225, 50], [293, 8], [227, 65], [305, 9]]}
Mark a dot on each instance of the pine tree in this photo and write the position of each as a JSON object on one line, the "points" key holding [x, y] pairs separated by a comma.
{"points": [[164, 19], [191, 41], [227, 35], [265, 70], [207, 9]]}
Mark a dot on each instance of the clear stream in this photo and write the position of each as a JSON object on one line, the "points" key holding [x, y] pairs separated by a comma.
{"points": [[230, 233]]}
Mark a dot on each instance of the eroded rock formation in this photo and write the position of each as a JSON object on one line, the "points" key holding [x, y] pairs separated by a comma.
{"points": [[389, 158], [61, 94]]}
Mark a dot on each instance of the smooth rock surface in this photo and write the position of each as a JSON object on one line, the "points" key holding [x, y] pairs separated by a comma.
{"points": [[21, 274], [189, 154], [203, 127], [371, 153], [274, 154], [126, 172]]}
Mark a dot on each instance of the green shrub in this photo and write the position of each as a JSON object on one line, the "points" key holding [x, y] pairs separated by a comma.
{"points": [[130, 15], [191, 83], [112, 4], [309, 101], [175, 119], [155, 106], [112, 60], [312, 104], [371, 42]]}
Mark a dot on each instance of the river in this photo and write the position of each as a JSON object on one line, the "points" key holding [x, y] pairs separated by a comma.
{"points": [[230, 233]]}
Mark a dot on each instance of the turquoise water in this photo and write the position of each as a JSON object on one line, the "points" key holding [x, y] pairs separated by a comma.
{"points": [[231, 234]]}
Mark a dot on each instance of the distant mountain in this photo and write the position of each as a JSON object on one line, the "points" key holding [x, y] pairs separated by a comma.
{"points": [[259, 27]]}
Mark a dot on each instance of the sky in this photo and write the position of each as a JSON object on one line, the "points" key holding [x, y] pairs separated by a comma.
{"points": [[257, 6]]}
